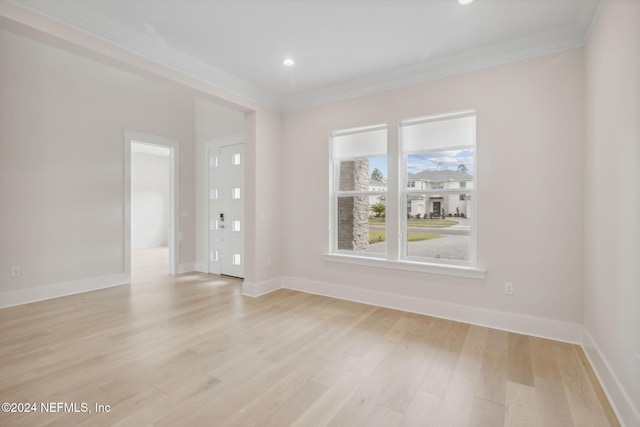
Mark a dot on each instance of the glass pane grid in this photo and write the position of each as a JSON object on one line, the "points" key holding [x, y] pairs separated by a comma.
{"points": [[437, 222], [435, 219]]}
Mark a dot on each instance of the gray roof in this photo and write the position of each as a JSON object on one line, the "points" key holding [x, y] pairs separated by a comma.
{"points": [[375, 182], [441, 175]]}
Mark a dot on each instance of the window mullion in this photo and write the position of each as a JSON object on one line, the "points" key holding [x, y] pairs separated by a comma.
{"points": [[394, 194]]}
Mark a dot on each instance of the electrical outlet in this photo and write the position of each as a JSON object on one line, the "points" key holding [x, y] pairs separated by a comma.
{"points": [[16, 271], [508, 288]]}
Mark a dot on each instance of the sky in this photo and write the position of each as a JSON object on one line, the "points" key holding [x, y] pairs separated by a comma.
{"points": [[432, 160]]}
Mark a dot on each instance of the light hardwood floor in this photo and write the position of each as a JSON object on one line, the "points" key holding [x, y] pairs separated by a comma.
{"points": [[191, 350]]}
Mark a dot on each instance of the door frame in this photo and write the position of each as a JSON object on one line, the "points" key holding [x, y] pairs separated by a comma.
{"points": [[218, 143], [130, 136]]}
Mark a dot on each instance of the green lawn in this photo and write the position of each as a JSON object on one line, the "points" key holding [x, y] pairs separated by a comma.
{"points": [[412, 222], [414, 236]]}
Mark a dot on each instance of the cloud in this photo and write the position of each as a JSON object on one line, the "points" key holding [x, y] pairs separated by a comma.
{"points": [[440, 160]]}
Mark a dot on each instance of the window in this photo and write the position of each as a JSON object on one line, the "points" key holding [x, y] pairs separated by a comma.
{"points": [[235, 159], [433, 196], [359, 160], [440, 150]]}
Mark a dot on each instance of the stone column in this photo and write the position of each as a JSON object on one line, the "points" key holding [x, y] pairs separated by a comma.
{"points": [[353, 212]]}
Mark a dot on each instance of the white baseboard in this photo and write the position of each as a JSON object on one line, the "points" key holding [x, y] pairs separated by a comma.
{"points": [[533, 326], [201, 267], [186, 267], [261, 288], [25, 296], [628, 415]]}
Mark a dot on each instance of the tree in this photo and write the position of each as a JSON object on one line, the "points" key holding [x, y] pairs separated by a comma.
{"points": [[462, 168], [378, 209], [376, 175]]}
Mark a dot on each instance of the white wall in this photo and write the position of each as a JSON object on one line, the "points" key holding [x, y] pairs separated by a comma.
{"points": [[263, 134], [265, 215], [150, 200], [529, 137], [61, 166], [212, 122], [612, 207], [262, 130]]}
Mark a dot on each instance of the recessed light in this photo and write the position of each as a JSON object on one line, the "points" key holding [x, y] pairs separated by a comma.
{"points": [[288, 62], [465, 2]]}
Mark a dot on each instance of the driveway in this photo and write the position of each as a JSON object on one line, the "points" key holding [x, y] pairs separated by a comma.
{"points": [[453, 245]]}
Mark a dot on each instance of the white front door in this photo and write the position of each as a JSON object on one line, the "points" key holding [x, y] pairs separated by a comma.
{"points": [[226, 210]]}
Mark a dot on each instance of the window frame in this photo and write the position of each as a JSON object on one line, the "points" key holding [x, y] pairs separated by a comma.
{"points": [[397, 259], [335, 193], [406, 192]]}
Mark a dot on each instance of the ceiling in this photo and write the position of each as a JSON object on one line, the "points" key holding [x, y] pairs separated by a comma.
{"points": [[342, 48]]}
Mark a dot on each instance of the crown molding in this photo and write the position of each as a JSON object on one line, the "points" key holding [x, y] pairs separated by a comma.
{"points": [[590, 20], [111, 32], [448, 66], [432, 69]]}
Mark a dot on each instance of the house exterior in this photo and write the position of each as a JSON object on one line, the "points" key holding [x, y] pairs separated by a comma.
{"points": [[433, 203], [375, 185], [439, 203]]}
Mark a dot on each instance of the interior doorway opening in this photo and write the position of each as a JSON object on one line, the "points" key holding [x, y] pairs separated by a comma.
{"points": [[150, 213], [150, 209]]}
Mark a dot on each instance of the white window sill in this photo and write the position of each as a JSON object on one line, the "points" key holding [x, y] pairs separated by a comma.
{"points": [[421, 267]]}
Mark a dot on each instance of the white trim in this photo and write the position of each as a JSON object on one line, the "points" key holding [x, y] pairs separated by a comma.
{"points": [[186, 267], [438, 118], [358, 130], [201, 267], [112, 32], [56, 290], [622, 404], [130, 136], [470, 60], [532, 326], [438, 68], [406, 265], [404, 193], [261, 288], [591, 22], [334, 178]]}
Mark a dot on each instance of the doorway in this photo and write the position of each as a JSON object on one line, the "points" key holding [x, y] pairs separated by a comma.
{"points": [[226, 195], [151, 164], [150, 209], [436, 208]]}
